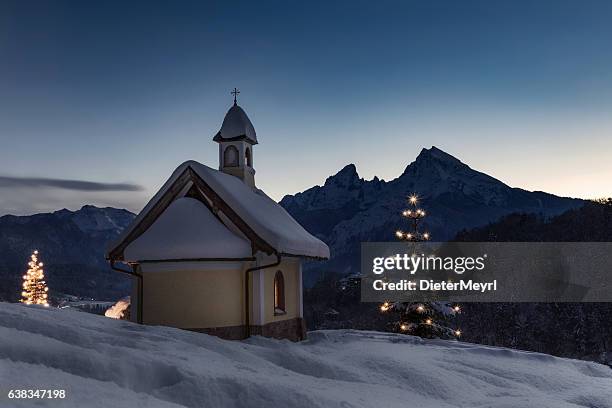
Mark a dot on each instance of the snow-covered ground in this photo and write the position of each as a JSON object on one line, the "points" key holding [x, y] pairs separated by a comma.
{"points": [[103, 362]]}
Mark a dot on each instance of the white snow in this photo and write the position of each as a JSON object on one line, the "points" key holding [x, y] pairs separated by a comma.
{"points": [[236, 123], [103, 362], [187, 230], [266, 217]]}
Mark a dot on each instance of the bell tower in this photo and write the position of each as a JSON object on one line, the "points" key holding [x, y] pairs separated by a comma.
{"points": [[236, 139]]}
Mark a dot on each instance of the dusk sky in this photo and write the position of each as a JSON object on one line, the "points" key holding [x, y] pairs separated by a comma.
{"points": [[114, 95]]}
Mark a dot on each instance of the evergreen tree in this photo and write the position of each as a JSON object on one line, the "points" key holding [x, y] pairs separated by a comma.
{"points": [[34, 287], [424, 319]]}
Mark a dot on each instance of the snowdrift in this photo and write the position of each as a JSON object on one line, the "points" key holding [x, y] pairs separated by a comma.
{"points": [[103, 362]]}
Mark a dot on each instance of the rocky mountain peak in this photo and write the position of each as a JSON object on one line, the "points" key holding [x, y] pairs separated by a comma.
{"points": [[434, 158], [437, 154], [344, 178]]}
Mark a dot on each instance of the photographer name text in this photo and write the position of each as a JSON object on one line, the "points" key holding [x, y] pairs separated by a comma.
{"points": [[431, 285]]}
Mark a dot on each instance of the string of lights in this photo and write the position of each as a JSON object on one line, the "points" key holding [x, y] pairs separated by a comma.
{"points": [[414, 214], [417, 318], [35, 290]]}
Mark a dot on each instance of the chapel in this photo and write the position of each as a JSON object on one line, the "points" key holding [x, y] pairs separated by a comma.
{"points": [[211, 252]]}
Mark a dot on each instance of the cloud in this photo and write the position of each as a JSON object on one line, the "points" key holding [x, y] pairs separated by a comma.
{"points": [[77, 185]]}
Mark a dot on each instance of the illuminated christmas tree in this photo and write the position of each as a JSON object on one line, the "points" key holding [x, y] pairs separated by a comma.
{"points": [[414, 214], [35, 290], [424, 319]]}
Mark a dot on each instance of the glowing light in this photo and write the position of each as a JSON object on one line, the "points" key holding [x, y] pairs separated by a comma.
{"points": [[399, 234], [34, 286], [413, 199], [119, 309], [428, 321], [403, 327], [457, 332], [426, 235], [457, 308], [420, 308]]}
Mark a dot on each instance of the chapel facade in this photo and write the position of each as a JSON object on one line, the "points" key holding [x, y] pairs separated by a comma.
{"points": [[211, 252]]}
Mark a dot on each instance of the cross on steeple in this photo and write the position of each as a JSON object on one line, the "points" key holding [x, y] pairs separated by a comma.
{"points": [[235, 92]]}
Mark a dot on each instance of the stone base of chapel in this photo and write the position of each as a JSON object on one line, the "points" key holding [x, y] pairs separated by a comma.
{"points": [[291, 329]]}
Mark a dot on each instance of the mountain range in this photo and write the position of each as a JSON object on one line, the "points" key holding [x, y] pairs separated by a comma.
{"points": [[343, 212], [348, 210], [71, 244]]}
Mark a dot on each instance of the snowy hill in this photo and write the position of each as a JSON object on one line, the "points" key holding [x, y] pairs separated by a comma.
{"points": [[102, 362], [347, 209]]}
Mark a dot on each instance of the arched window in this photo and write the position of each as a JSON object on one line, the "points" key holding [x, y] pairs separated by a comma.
{"points": [[247, 156], [230, 156], [279, 293]]}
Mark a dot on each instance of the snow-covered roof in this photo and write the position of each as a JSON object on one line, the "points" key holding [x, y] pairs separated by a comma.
{"points": [[187, 229], [265, 218], [236, 126]]}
